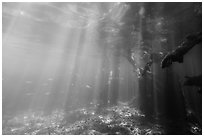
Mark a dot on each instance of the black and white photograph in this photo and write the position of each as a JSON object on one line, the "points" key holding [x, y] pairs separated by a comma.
{"points": [[102, 68]]}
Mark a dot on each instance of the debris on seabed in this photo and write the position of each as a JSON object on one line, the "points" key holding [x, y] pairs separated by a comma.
{"points": [[116, 120]]}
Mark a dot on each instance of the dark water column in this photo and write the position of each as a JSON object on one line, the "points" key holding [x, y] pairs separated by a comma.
{"points": [[173, 98]]}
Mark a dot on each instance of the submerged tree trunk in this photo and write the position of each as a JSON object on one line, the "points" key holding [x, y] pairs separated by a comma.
{"points": [[103, 88], [114, 86]]}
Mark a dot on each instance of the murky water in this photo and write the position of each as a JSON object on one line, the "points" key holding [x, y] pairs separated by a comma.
{"points": [[95, 68]]}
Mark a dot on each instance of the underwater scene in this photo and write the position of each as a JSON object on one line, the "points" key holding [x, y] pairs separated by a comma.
{"points": [[102, 68]]}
